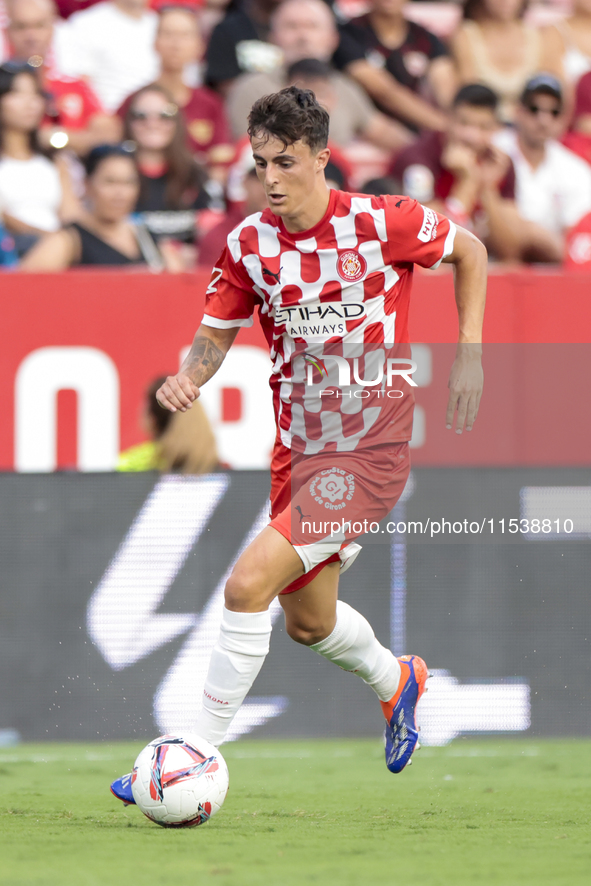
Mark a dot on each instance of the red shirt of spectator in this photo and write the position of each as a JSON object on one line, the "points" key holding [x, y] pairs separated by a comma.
{"points": [[71, 103], [579, 138], [419, 168]]}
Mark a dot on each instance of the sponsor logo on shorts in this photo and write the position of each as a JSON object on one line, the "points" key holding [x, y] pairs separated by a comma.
{"points": [[429, 229], [351, 266], [333, 488]]}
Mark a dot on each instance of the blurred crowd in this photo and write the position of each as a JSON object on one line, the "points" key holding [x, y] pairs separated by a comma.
{"points": [[123, 122]]}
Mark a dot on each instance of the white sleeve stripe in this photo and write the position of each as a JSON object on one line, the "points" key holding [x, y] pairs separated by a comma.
{"points": [[448, 246], [226, 324]]}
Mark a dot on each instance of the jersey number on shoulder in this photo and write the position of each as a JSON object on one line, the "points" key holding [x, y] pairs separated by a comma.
{"points": [[215, 276]]}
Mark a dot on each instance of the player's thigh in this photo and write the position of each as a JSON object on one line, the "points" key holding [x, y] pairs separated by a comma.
{"points": [[311, 611], [267, 566]]}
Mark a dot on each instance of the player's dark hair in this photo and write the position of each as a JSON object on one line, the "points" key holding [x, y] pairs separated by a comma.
{"points": [[309, 69], [477, 95], [290, 115], [100, 153], [9, 71]]}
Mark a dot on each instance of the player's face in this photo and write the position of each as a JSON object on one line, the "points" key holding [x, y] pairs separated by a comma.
{"points": [[289, 174]]}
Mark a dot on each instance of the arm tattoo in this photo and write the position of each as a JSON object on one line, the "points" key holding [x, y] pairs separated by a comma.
{"points": [[203, 361]]}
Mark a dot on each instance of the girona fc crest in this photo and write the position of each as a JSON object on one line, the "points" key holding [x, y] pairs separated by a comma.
{"points": [[351, 266], [333, 488]]}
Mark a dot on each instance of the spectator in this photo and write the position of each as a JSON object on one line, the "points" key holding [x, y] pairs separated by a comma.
{"points": [[35, 192], [582, 114], [415, 57], [239, 44], [172, 184], [575, 31], [106, 235], [553, 185], [254, 200], [578, 139], [494, 46], [182, 442], [464, 175], [58, 54], [306, 33], [74, 114], [178, 44], [112, 44]]}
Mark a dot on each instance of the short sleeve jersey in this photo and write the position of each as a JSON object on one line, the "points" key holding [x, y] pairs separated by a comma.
{"points": [[341, 288]]}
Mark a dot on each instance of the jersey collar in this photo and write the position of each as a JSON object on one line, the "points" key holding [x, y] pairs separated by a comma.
{"points": [[311, 232]]}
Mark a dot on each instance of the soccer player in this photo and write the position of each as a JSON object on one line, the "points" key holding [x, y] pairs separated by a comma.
{"points": [[330, 274]]}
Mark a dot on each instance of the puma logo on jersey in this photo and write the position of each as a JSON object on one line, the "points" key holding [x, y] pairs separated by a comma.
{"points": [[271, 274], [400, 202]]}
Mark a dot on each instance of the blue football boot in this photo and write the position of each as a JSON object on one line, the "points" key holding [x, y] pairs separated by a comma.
{"points": [[121, 788], [401, 734]]}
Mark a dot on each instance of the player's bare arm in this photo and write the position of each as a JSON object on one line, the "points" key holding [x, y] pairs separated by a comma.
{"points": [[466, 380], [207, 353]]}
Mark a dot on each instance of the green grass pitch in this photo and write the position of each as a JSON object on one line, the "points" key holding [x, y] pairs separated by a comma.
{"points": [[484, 811]]}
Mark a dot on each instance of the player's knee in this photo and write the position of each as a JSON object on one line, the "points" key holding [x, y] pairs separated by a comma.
{"points": [[306, 634], [242, 592]]}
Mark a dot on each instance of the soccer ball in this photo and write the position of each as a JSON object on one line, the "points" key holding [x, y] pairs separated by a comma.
{"points": [[179, 781]]}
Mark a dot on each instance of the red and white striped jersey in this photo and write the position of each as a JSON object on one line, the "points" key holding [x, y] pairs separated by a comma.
{"points": [[340, 289]]}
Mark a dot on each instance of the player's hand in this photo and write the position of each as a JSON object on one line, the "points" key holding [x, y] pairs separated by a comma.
{"points": [[465, 385], [177, 393]]}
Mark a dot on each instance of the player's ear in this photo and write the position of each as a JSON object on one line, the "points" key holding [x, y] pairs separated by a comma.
{"points": [[322, 158]]}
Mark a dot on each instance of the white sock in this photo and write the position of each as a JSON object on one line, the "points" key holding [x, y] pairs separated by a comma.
{"points": [[353, 646], [235, 663]]}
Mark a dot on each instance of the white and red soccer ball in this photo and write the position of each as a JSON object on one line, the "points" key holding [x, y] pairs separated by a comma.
{"points": [[179, 781]]}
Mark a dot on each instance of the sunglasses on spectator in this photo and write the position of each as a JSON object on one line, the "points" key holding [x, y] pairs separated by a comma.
{"points": [[536, 109], [157, 115]]}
